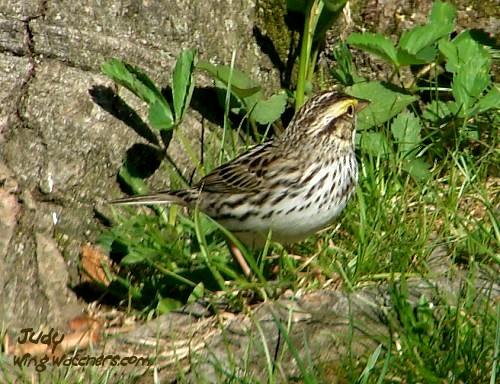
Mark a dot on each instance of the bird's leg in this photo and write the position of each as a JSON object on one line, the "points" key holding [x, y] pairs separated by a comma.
{"points": [[240, 259]]}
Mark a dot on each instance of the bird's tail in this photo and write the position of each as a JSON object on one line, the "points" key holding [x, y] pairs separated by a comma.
{"points": [[167, 197]]}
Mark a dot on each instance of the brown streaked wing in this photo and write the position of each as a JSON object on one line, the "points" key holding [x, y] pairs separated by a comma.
{"points": [[245, 173]]}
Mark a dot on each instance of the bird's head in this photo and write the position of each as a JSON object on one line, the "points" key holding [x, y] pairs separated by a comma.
{"points": [[328, 118]]}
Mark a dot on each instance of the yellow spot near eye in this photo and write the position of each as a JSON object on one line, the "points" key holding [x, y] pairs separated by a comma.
{"points": [[347, 107]]}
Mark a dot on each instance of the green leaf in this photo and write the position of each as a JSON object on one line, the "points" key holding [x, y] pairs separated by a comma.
{"points": [[375, 144], [241, 85], [182, 83], [407, 58], [197, 293], [385, 103], [450, 52], [436, 110], [454, 107], [442, 13], [370, 365], [406, 130], [470, 81], [419, 41], [417, 45], [461, 50], [136, 184], [418, 169], [270, 110], [490, 101], [375, 43], [167, 304], [329, 14], [160, 116], [134, 80], [132, 258]]}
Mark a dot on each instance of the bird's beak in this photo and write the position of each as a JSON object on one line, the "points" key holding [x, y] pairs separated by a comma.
{"points": [[362, 104]]}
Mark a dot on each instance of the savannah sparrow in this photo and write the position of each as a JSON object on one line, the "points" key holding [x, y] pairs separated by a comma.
{"points": [[293, 185]]}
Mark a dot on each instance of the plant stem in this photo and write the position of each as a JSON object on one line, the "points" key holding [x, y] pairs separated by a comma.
{"points": [[313, 12]]}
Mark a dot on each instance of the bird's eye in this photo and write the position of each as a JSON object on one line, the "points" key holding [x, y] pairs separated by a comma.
{"points": [[350, 111]]}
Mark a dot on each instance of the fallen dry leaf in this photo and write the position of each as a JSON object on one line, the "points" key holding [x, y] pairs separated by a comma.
{"points": [[93, 264]]}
